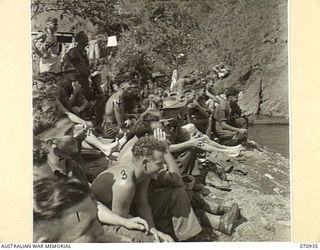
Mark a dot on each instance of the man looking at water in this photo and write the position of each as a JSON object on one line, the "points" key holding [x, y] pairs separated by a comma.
{"points": [[231, 126]]}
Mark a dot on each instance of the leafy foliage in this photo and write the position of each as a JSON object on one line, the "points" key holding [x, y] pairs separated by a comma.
{"points": [[151, 37]]}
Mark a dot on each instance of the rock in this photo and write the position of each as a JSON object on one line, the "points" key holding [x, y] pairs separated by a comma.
{"points": [[251, 99], [270, 227], [264, 222], [277, 190], [275, 90], [284, 223], [269, 176]]}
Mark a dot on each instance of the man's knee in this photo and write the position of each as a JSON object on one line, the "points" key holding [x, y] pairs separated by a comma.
{"points": [[190, 127], [179, 194], [142, 237], [242, 122], [135, 235], [226, 134]]}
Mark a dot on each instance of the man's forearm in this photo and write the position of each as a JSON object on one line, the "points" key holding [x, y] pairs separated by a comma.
{"points": [[145, 212], [105, 215], [119, 118], [229, 127], [179, 147], [76, 119], [171, 163], [203, 111], [84, 105], [214, 98], [72, 99], [93, 140]]}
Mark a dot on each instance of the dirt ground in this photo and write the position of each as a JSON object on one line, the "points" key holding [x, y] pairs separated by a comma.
{"points": [[263, 196]]}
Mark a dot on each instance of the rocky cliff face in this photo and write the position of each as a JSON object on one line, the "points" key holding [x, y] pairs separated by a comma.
{"points": [[250, 35]]}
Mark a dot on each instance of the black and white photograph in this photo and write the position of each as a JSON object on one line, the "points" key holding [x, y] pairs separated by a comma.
{"points": [[160, 121]]}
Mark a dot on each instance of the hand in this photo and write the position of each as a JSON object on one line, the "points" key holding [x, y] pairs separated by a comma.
{"points": [[160, 237], [79, 132], [89, 124], [160, 134], [192, 105], [76, 87], [90, 82], [243, 131], [137, 223], [76, 110], [196, 142], [127, 123]]}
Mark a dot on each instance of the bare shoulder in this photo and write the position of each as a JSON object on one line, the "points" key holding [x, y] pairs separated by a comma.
{"points": [[114, 96], [112, 99], [123, 176]]}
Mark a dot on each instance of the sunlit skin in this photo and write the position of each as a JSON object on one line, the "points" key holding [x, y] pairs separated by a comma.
{"points": [[52, 26], [114, 109], [78, 224], [130, 181]]}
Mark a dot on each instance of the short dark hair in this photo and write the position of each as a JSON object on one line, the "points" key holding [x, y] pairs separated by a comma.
{"points": [[40, 153], [52, 196], [79, 36], [122, 79], [47, 78], [143, 124], [52, 20], [232, 92], [146, 145]]}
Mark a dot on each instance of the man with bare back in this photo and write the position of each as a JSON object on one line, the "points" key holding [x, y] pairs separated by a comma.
{"points": [[123, 190], [114, 116]]}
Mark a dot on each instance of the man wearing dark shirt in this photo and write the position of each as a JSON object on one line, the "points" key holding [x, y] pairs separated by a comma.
{"points": [[77, 56], [70, 93], [231, 127]]}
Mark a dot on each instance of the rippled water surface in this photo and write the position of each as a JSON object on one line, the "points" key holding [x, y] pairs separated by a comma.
{"points": [[274, 137]]}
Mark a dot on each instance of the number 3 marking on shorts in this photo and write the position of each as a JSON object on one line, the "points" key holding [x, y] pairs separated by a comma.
{"points": [[124, 175]]}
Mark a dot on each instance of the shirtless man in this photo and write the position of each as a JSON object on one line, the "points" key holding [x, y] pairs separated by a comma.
{"points": [[122, 186], [114, 117]]}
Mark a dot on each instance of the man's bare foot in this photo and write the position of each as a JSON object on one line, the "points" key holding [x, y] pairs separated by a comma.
{"points": [[123, 140], [234, 153], [108, 149], [239, 147], [114, 156]]}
